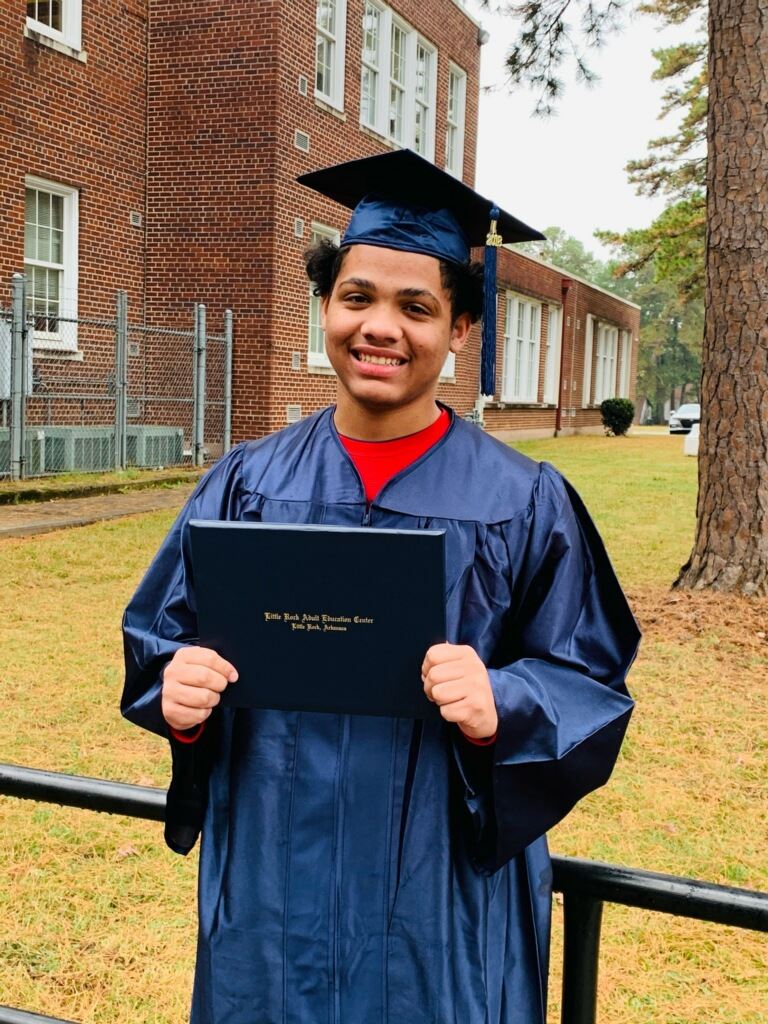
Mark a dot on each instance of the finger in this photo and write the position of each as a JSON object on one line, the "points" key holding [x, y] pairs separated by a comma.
{"points": [[459, 712], [436, 655], [448, 671], [194, 697], [196, 675], [448, 693], [209, 659], [181, 718]]}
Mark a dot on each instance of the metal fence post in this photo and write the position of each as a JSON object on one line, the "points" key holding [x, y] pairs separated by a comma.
{"points": [[199, 381], [18, 377], [121, 377], [227, 379], [582, 918]]}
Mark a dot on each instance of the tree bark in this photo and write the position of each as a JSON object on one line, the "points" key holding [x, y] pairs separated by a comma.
{"points": [[731, 548]]}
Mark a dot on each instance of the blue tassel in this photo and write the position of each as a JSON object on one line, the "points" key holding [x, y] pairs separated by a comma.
{"points": [[488, 355]]}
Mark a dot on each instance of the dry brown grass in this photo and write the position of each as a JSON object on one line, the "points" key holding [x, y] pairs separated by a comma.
{"points": [[98, 917]]}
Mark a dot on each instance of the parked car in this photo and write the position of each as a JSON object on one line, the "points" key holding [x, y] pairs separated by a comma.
{"points": [[681, 421]]}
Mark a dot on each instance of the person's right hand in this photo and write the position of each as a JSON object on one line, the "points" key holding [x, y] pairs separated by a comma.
{"points": [[193, 681]]}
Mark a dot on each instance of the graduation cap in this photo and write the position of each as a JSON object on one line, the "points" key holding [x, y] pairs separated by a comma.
{"points": [[402, 201]]}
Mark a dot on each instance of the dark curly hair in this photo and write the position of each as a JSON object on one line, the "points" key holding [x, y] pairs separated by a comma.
{"points": [[464, 284]]}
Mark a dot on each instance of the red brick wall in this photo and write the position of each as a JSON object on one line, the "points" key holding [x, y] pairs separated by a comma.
{"points": [[81, 125], [189, 118], [335, 137], [214, 136], [529, 277]]}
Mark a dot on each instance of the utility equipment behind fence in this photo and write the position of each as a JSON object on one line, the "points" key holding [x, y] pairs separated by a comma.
{"points": [[85, 394], [585, 885]]}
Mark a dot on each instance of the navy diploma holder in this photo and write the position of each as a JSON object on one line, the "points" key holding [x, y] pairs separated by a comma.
{"points": [[321, 618]]}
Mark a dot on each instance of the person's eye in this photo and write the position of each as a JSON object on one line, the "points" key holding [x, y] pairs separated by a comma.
{"points": [[418, 309], [356, 298]]}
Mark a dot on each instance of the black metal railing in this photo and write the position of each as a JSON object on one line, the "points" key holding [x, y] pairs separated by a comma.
{"points": [[586, 885]]}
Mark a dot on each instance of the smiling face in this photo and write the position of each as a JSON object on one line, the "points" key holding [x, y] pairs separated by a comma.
{"points": [[388, 331]]}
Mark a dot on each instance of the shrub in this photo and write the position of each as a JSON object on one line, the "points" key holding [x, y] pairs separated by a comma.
{"points": [[617, 415]]}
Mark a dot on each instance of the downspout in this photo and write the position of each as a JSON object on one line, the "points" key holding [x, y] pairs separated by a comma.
{"points": [[565, 287]]}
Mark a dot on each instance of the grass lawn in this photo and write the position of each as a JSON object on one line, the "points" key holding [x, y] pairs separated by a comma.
{"points": [[98, 917]]}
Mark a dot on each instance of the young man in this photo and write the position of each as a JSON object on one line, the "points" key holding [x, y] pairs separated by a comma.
{"points": [[358, 869]]}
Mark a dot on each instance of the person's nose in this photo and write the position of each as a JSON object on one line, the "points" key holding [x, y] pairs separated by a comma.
{"points": [[381, 325]]}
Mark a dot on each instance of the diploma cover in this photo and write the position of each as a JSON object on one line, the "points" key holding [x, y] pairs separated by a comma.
{"points": [[321, 618]]}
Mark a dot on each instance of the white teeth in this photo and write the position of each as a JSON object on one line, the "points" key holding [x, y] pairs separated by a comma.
{"points": [[378, 360]]}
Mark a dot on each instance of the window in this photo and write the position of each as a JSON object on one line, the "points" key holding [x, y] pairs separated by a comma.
{"points": [[626, 363], [370, 74], [423, 100], [448, 371], [397, 81], [552, 357], [521, 350], [454, 132], [589, 333], [60, 20], [316, 348], [330, 23], [50, 262], [605, 362]]}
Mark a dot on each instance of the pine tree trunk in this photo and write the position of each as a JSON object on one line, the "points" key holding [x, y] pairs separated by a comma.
{"points": [[731, 548]]}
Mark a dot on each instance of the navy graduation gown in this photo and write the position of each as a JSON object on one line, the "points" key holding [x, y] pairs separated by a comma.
{"points": [[358, 869]]}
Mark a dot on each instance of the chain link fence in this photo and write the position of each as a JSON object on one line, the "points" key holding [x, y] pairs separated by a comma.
{"points": [[87, 395]]}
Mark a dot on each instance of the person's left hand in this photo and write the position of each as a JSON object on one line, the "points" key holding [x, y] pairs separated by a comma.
{"points": [[457, 681]]}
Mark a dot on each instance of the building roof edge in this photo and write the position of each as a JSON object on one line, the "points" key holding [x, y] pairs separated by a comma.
{"points": [[463, 9], [574, 277]]}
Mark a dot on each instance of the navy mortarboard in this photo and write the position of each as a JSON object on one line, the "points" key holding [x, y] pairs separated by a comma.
{"points": [[401, 201]]}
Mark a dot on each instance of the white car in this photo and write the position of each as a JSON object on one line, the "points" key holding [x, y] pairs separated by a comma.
{"points": [[681, 421]]}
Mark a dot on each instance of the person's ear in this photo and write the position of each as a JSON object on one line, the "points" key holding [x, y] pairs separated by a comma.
{"points": [[324, 309], [460, 332]]}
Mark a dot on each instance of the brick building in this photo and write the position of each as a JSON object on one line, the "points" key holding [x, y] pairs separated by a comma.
{"points": [[152, 146]]}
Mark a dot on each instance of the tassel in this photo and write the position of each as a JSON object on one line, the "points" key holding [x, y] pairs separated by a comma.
{"points": [[488, 355]]}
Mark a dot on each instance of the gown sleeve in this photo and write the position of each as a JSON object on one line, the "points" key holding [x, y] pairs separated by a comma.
{"points": [[557, 678], [160, 618]]}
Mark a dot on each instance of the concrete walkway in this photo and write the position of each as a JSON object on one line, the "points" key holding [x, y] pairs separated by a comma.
{"points": [[41, 517]]}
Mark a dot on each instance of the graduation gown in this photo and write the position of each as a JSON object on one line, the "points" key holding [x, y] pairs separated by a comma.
{"points": [[357, 869]]}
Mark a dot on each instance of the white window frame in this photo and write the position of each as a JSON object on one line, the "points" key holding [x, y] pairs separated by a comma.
{"points": [[606, 352], [315, 358], [71, 33], [522, 350], [586, 391], [337, 41], [455, 116], [448, 371], [55, 341], [552, 354], [380, 122], [373, 65], [626, 363]]}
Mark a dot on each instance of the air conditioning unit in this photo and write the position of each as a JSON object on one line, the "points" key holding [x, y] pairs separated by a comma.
{"points": [[77, 449], [154, 446], [34, 453]]}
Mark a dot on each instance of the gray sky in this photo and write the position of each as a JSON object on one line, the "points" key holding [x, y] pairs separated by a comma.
{"points": [[568, 170]]}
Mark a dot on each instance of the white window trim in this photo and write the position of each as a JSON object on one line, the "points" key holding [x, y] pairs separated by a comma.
{"points": [[606, 361], [626, 362], [69, 277], [586, 391], [318, 359], [461, 75], [375, 69], [552, 378], [510, 319], [71, 34], [448, 372], [412, 41], [336, 100]]}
